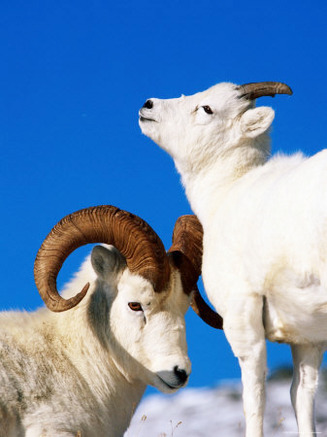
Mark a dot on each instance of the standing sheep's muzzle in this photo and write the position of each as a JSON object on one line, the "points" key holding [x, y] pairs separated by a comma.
{"points": [[148, 104], [146, 113]]}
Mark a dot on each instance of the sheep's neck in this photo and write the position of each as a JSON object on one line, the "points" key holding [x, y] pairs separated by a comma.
{"points": [[208, 184], [115, 391]]}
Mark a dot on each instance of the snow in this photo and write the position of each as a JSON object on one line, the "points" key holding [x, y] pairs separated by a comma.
{"points": [[206, 412]]}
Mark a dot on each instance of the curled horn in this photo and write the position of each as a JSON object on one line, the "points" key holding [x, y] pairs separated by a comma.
{"points": [[252, 91], [186, 251], [132, 236]]}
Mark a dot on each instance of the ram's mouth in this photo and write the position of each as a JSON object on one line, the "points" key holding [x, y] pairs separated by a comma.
{"points": [[170, 386], [144, 119]]}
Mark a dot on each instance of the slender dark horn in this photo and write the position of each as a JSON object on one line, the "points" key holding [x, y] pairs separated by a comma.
{"points": [[186, 251], [132, 236], [254, 90]]}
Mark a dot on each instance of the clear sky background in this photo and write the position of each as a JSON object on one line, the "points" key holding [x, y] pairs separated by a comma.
{"points": [[73, 76]]}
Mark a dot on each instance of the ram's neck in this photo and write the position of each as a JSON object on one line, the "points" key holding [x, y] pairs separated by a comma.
{"points": [[207, 183], [117, 400], [121, 406], [115, 392]]}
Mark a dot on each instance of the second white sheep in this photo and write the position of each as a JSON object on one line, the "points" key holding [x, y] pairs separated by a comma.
{"points": [[265, 232]]}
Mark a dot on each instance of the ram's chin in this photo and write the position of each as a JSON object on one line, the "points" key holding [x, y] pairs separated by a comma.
{"points": [[164, 386]]}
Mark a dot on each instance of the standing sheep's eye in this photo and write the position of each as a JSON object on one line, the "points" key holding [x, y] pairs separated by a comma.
{"points": [[135, 306], [207, 109]]}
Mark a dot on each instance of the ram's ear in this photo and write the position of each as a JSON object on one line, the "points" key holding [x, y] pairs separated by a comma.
{"points": [[256, 121], [107, 262]]}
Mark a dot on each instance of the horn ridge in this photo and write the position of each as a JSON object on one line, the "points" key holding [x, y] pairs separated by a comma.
{"points": [[187, 250], [133, 237], [253, 90], [187, 238]]}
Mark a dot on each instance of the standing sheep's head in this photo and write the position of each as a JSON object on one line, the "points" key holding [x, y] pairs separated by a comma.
{"points": [[209, 123], [144, 292]]}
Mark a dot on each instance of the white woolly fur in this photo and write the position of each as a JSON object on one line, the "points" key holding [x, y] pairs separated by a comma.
{"points": [[85, 370], [265, 235]]}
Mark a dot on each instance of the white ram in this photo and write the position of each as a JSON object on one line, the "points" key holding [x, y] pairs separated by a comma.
{"points": [[83, 371], [265, 232]]}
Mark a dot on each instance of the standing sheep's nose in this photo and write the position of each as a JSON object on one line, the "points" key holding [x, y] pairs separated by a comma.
{"points": [[148, 104]]}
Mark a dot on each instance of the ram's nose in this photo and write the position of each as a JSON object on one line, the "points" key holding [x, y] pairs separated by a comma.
{"points": [[181, 375], [148, 104]]}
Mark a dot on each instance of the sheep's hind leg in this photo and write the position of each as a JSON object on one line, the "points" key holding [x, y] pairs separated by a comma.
{"points": [[307, 360], [244, 329]]}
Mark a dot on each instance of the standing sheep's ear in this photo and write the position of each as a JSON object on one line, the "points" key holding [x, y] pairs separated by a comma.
{"points": [[256, 121], [106, 261]]}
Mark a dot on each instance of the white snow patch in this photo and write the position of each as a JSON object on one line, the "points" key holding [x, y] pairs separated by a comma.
{"points": [[218, 412]]}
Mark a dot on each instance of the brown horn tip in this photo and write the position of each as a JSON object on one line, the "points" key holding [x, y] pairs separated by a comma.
{"points": [[202, 309], [186, 252], [58, 304], [253, 90]]}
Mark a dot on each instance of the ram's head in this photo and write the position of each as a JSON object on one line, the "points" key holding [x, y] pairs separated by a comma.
{"points": [[144, 291]]}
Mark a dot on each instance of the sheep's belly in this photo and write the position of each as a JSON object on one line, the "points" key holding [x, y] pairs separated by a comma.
{"points": [[296, 315]]}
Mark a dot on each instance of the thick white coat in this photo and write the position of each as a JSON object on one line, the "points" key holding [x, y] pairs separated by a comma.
{"points": [[265, 235], [85, 370]]}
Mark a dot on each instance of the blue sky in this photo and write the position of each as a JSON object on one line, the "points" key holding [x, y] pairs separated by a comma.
{"points": [[73, 76]]}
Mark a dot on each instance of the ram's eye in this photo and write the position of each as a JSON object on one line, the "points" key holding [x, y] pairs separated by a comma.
{"points": [[207, 109], [135, 306]]}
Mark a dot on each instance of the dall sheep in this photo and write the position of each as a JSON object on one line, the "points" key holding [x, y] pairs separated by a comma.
{"points": [[265, 240], [83, 371]]}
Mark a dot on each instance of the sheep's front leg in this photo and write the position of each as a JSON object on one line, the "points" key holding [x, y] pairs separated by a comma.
{"points": [[244, 329], [307, 360]]}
